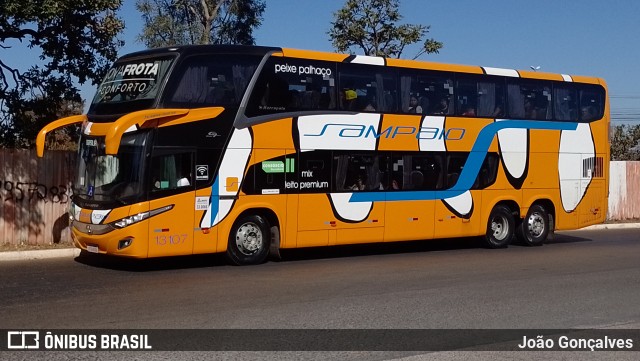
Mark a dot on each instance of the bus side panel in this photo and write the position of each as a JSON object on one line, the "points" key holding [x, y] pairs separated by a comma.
{"points": [[289, 235], [171, 232], [591, 208], [204, 239], [413, 220], [315, 220], [449, 223]]}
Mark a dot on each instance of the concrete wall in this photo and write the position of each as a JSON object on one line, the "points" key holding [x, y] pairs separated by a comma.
{"points": [[624, 191], [34, 196]]}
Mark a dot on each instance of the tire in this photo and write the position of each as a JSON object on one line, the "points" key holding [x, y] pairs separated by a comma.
{"points": [[249, 241], [500, 227], [535, 226]]}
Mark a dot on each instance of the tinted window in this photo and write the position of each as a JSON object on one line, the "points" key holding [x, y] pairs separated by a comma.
{"points": [[479, 96], [565, 102], [288, 85], [418, 171], [367, 88], [591, 102], [211, 80], [488, 172], [529, 99], [433, 92], [357, 172]]}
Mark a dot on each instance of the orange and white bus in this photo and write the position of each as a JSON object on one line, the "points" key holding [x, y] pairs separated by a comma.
{"points": [[249, 150]]}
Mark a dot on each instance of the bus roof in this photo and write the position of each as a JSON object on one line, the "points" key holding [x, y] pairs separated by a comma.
{"points": [[199, 49], [337, 57]]}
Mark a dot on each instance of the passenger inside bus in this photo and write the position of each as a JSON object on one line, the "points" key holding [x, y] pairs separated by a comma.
{"points": [[359, 185], [414, 107], [443, 107]]}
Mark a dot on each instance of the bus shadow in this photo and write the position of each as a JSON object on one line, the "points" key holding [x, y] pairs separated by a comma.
{"points": [[303, 254], [374, 249], [151, 264], [565, 238]]}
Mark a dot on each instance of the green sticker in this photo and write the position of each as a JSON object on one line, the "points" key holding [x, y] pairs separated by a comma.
{"points": [[277, 166]]}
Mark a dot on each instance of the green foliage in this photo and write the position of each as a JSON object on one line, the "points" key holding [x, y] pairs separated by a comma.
{"points": [[71, 41], [371, 25], [625, 142], [177, 22]]}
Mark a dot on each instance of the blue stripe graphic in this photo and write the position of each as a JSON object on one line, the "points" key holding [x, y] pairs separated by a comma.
{"points": [[215, 200], [471, 167]]}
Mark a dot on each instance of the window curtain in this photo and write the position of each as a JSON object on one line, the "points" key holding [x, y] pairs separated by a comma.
{"points": [[405, 92], [516, 101], [381, 104], [342, 165], [193, 87], [241, 78], [486, 99]]}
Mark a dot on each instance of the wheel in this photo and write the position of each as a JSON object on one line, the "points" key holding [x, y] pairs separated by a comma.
{"points": [[249, 240], [500, 227], [535, 226]]}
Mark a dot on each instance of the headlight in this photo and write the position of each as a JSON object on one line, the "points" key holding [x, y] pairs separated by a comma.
{"points": [[127, 221]]}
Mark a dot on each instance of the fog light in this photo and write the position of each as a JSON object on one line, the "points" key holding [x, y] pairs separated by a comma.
{"points": [[124, 243]]}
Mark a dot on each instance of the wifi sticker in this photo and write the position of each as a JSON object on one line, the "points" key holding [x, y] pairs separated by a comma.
{"points": [[202, 172]]}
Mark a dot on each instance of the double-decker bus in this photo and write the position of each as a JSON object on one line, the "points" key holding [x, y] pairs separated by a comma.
{"points": [[249, 150]]}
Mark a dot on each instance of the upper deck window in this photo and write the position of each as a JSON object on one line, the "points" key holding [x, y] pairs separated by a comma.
{"points": [[210, 80], [289, 85], [426, 92]]}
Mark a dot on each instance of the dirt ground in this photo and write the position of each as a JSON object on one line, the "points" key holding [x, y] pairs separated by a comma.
{"points": [[7, 247]]}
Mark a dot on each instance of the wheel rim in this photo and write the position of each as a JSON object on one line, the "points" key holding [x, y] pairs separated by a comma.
{"points": [[535, 224], [249, 238], [499, 228]]}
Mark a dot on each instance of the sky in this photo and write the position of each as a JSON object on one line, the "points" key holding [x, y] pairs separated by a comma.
{"points": [[577, 37]]}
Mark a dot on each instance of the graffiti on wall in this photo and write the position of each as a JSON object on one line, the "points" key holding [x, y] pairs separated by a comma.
{"points": [[21, 192]]}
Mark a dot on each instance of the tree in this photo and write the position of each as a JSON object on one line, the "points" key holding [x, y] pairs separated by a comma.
{"points": [[625, 142], [76, 40], [177, 22], [371, 25]]}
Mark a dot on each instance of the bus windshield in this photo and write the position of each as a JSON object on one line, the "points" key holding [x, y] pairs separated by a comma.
{"points": [[130, 85], [105, 180]]}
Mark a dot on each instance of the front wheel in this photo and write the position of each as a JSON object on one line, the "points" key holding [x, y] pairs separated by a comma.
{"points": [[249, 241], [500, 227], [535, 226]]}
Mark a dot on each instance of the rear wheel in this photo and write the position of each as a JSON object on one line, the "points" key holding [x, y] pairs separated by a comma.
{"points": [[535, 226], [249, 240], [500, 227]]}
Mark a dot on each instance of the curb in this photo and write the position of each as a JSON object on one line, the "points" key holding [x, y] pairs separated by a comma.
{"points": [[75, 252], [610, 226], [39, 254]]}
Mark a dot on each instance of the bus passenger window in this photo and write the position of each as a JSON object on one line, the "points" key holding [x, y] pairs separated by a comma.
{"points": [[357, 172], [590, 103], [433, 91], [565, 103], [455, 164], [529, 99], [291, 85], [367, 88]]}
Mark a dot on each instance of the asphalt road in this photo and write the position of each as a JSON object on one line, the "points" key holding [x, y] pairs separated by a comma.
{"points": [[581, 279]]}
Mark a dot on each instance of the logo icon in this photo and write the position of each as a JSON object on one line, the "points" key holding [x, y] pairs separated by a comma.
{"points": [[213, 134], [23, 340], [202, 172]]}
